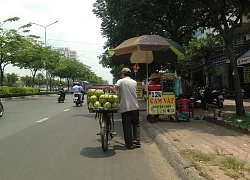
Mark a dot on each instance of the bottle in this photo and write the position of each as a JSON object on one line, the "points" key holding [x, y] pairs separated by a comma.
{"points": [[205, 115]]}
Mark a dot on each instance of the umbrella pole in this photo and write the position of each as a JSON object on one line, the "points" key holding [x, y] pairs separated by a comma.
{"points": [[147, 77], [147, 70]]}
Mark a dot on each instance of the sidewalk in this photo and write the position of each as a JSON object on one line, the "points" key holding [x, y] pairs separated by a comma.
{"points": [[171, 137]]}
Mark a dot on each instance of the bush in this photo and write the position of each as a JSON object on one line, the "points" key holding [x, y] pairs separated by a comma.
{"points": [[17, 91]]}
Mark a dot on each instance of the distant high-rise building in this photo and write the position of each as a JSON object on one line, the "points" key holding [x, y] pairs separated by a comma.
{"points": [[66, 52]]}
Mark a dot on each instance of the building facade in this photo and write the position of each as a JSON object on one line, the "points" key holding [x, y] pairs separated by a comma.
{"points": [[220, 74], [66, 52]]}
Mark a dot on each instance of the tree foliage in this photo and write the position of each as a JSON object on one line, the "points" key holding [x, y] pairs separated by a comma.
{"points": [[23, 50], [11, 79], [75, 70], [199, 52], [124, 19], [11, 43], [174, 19]]}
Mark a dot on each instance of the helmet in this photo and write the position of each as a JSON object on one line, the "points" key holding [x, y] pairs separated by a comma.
{"points": [[76, 83], [60, 84]]}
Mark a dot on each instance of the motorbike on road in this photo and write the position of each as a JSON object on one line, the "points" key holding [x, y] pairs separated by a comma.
{"points": [[77, 99], [60, 96], [1, 109]]}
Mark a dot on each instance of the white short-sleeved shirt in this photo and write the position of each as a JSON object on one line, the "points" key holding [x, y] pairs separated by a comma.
{"points": [[127, 94]]}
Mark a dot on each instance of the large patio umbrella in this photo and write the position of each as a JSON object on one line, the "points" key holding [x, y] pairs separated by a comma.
{"points": [[147, 49]]}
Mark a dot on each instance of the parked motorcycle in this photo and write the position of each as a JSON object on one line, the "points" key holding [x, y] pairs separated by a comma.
{"points": [[213, 97], [228, 94], [198, 94], [60, 96], [77, 99]]}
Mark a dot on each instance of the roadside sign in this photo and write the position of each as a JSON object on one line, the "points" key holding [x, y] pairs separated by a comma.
{"points": [[136, 66]]}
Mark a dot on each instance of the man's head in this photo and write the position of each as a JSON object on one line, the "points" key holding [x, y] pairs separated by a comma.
{"points": [[125, 72]]}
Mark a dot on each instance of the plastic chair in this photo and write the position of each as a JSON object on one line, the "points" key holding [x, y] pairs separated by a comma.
{"points": [[186, 105]]}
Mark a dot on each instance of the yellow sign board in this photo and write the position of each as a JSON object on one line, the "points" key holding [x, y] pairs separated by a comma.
{"points": [[139, 90], [159, 103]]}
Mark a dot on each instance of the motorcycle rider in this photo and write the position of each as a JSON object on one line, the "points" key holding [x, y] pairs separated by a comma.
{"points": [[77, 89], [60, 89]]}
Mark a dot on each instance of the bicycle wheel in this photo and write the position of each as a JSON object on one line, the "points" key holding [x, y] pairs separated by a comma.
{"points": [[105, 131]]}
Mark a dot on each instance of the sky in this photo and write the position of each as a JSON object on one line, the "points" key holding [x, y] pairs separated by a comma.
{"points": [[77, 28]]}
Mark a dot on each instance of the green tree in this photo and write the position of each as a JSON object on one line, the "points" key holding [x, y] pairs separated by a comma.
{"points": [[40, 78], [69, 69], [32, 58], [199, 52], [11, 79], [52, 58], [125, 19], [11, 44], [27, 81], [225, 17]]}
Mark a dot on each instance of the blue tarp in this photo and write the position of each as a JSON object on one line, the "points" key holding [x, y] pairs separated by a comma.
{"points": [[178, 87]]}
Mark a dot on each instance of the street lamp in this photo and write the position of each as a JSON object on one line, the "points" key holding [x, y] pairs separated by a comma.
{"points": [[45, 43]]}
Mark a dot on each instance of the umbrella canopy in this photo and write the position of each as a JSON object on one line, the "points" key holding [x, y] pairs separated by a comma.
{"points": [[244, 59], [146, 49], [142, 43], [176, 48]]}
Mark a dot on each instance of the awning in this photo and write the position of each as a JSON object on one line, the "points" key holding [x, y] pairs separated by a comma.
{"points": [[244, 59]]}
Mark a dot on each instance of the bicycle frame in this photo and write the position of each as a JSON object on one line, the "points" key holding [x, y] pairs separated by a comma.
{"points": [[106, 122]]}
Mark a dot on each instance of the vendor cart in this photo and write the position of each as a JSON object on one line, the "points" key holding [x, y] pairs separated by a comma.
{"points": [[104, 113], [161, 99]]}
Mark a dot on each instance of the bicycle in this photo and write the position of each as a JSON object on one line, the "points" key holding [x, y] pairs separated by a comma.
{"points": [[107, 124], [105, 115]]}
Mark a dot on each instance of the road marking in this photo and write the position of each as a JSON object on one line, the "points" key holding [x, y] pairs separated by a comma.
{"points": [[42, 120], [66, 109]]}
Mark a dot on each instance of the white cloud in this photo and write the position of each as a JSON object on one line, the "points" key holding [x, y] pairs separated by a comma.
{"points": [[77, 28]]}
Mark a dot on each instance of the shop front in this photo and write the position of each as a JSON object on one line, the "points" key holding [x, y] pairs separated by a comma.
{"points": [[219, 74], [244, 62]]}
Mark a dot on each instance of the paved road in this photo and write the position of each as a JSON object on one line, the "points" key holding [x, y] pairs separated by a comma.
{"points": [[42, 139]]}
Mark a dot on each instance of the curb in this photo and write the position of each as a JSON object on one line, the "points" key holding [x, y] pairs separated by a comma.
{"points": [[184, 170], [23, 97]]}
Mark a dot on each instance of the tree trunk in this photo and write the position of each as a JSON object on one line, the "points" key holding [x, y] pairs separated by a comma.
{"points": [[1, 78], [33, 77], [240, 111], [68, 83]]}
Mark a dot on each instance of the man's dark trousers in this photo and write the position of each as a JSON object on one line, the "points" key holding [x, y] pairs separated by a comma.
{"points": [[129, 119]]}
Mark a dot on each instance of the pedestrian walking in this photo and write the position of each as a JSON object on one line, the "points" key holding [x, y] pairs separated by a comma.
{"points": [[129, 108]]}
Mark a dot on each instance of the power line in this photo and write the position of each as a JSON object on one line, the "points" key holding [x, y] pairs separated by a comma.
{"points": [[80, 50], [76, 42]]}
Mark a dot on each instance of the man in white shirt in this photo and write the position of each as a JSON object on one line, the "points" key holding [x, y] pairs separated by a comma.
{"points": [[129, 108]]}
